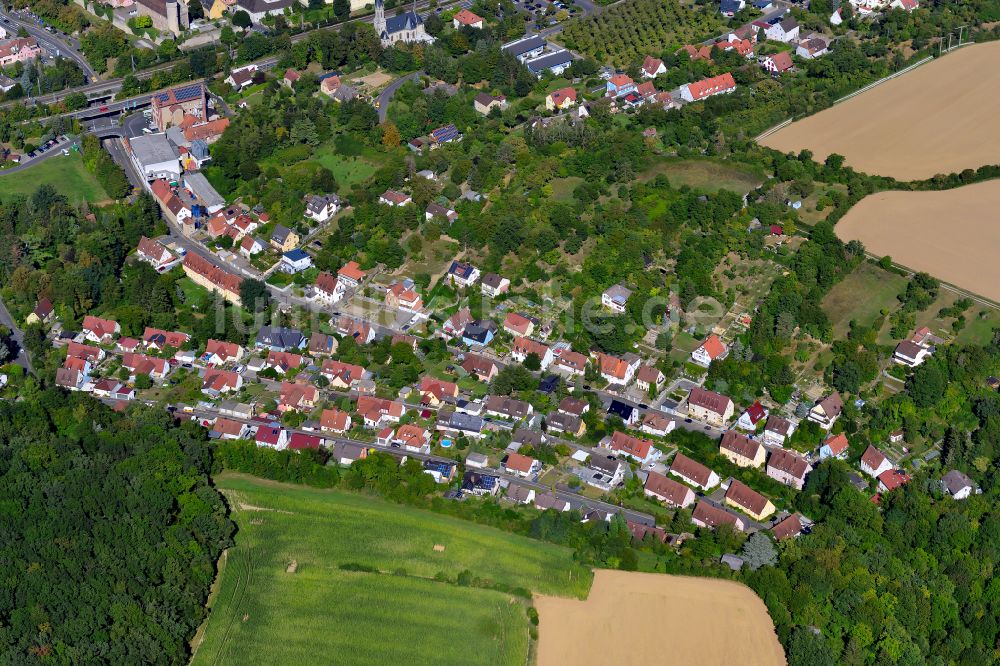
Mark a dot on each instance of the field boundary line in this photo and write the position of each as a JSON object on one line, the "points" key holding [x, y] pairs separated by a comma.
{"points": [[766, 133], [974, 297], [875, 84]]}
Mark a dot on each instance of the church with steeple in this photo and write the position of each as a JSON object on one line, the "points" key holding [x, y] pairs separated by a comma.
{"points": [[407, 27]]}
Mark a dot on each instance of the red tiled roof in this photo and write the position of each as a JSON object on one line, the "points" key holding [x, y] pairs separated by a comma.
{"points": [[690, 469], [217, 276], [560, 96], [739, 444], [838, 444], [788, 527], [710, 400], [519, 463], [352, 270], [465, 17], [712, 516], [746, 497], [788, 462], [711, 86], [634, 446], [893, 478], [872, 457], [713, 346], [674, 491]]}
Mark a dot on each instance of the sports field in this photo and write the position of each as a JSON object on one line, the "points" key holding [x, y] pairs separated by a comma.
{"points": [[285, 597], [639, 618], [65, 173], [935, 119], [951, 234]]}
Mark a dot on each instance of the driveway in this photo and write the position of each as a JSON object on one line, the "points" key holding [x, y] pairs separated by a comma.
{"points": [[18, 337], [385, 96]]}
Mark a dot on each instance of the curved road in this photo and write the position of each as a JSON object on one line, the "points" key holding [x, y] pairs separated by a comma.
{"points": [[385, 96], [51, 42]]}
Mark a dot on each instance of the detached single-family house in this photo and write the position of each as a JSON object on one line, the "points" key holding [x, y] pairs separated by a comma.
{"points": [[296, 397], [412, 438], [493, 285], [891, 479], [321, 208], [787, 528], [619, 85], [140, 364], [812, 47], [958, 485], [827, 411], [229, 429], [250, 246], [465, 19], [219, 352], [741, 450], [708, 406], [518, 325], [272, 435], [611, 468], [394, 198], [693, 472], [284, 239], [507, 407], [776, 63], [524, 347], [616, 370], [835, 446], [242, 77], [295, 261], [786, 30], [712, 349], [437, 210], [665, 489], [569, 424], [748, 500], [640, 450], [155, 254], [433, 391], [520, 494], [480, 367], [523, 466], [616, 297], [572, 362], [101, 331], [706, 515], [788, 468], [730, 8], [652, 67], [359, 329], [753, 415], [777, 431], [479, 484], [342, 375], [623, 410], [336, 421], [660, 425], [484, 103], [376, 412], [911, 354], [650, 377], [560, 99], [402, 296], [321, 344], [462, 274], [873, 462], [546, 501]]}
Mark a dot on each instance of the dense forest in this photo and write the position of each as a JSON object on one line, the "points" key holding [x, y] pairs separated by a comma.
{"points": [[109, 532]]}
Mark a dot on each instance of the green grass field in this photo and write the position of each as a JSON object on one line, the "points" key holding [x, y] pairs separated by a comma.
{"points": [[263, 613], [349, 160], [703, 174], [861, 296], [65, 173], [562, 188]]}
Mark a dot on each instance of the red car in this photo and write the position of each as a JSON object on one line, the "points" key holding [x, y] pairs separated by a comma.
{"points": [[104, 108]]}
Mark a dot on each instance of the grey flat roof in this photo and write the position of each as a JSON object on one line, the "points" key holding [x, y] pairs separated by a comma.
{"points": [[550, 60], [199, 185], [524, 45], [153, 149]]}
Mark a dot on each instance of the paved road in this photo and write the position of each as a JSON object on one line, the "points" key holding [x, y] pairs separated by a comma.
{"points": [[6, 320], [51, 152], [50, 42], [576, 501], [386, 95]]}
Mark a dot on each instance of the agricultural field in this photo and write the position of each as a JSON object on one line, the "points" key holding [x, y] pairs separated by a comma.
{"points": [[65, 173], [926, 122], [950, 234], [627, 31], [284, 593], [702, 620], [704, 175]]}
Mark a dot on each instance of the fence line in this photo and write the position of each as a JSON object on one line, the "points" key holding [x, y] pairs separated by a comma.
{"points": [[774, 129], [881, 81]]}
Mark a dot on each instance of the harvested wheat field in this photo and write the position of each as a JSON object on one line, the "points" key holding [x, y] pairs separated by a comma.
{"points": [[639, 618], [951, 234], [935, 119]]}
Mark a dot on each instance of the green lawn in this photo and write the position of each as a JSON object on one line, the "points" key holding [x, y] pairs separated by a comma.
{"points": [[350, 161], [262, 613], [66, 173], [861, 296], [562, 188], [703, 174]]}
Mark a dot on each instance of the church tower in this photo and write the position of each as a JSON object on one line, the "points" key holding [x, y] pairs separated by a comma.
{"points": [[379, 23]]}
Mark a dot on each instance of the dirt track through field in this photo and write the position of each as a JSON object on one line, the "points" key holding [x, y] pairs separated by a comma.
{"points": [[646, 619], [953, 234], [939, 118]]}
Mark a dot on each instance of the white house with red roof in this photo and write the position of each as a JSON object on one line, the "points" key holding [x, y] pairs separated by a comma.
{"points": [[788, 467], [140, 364], [616, 370], [652, 67], [101, 331], [873, 462], [640, 450], [520, 465], [753, 415], [716, 85], [158, 339], [518, 325], [218, 381], [712, 349], [272, 435], [220, 352], [891, 479], [335, 420], [92, 354], [523, 347], [342, 375], [571, 362], [412, 438], [835, 446], [776, 63], [394, 198], [297, 397], [465, 19], [155, 254]]}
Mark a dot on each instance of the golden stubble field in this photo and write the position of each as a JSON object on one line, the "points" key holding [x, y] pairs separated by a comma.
{"points": [[644, 619], [939, 118], [953, 234]]}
